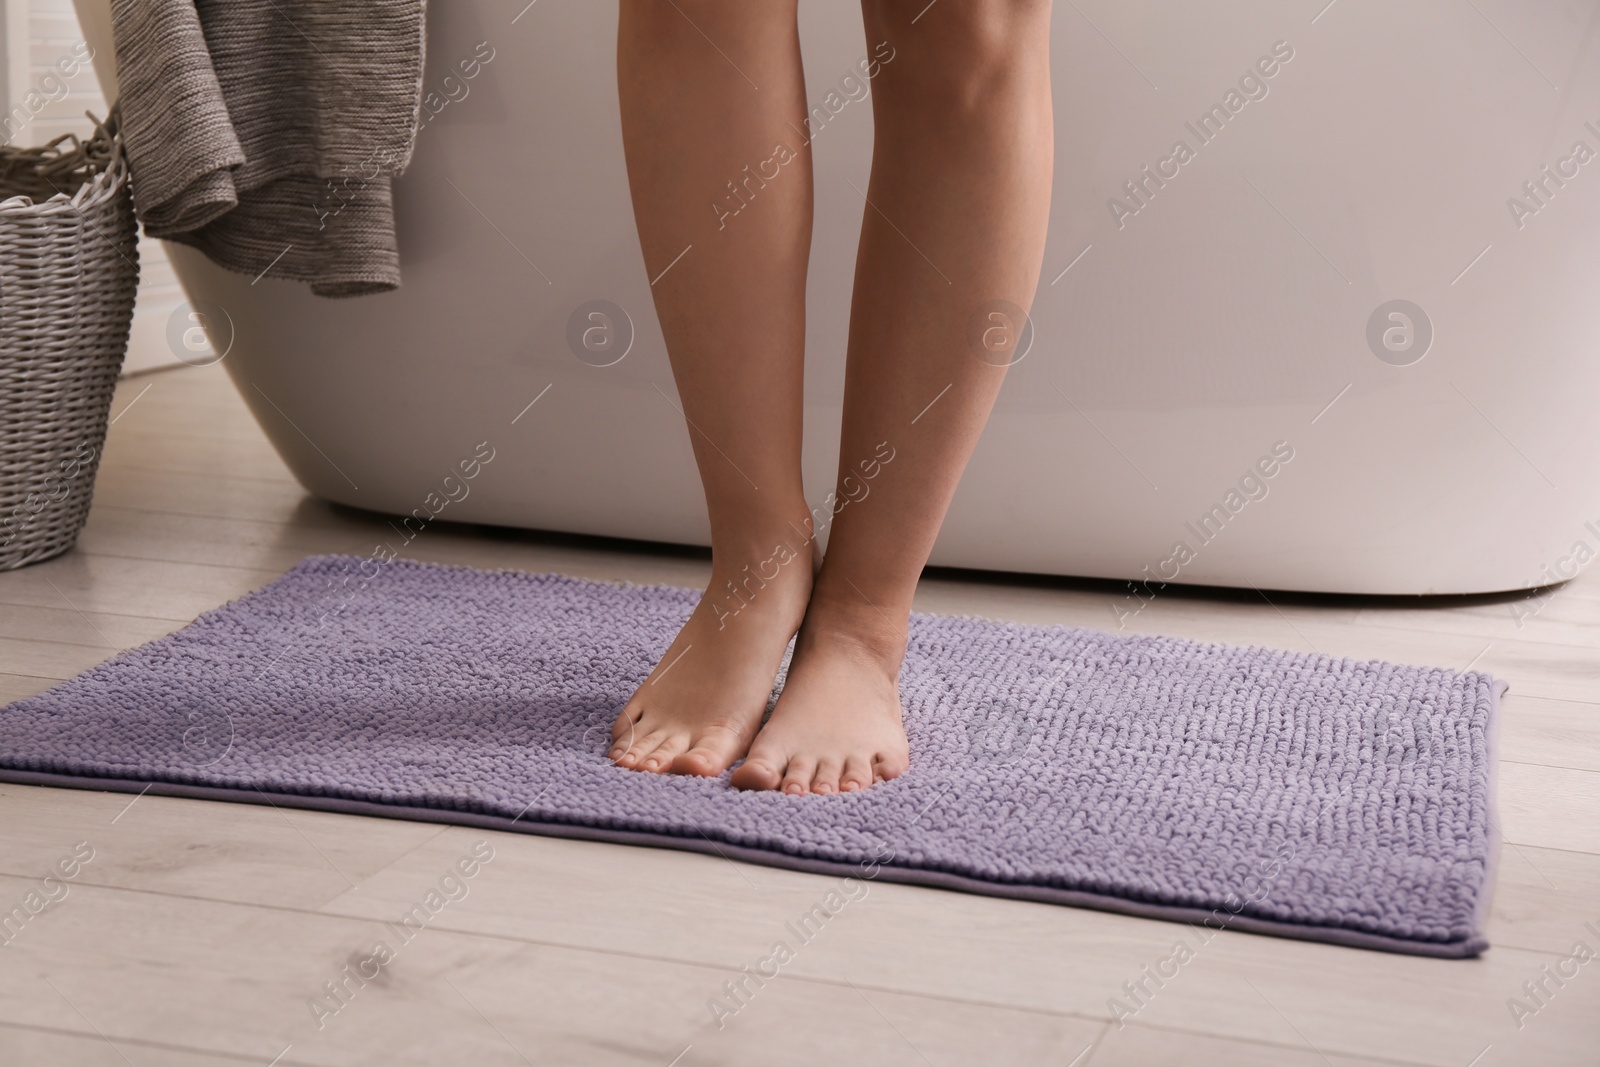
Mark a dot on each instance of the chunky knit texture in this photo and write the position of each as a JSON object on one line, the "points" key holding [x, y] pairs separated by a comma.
{"points": [[1280, 792]]}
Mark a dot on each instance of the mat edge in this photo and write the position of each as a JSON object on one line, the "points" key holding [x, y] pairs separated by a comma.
{"points": [[1498, 687], [1465, 949]]}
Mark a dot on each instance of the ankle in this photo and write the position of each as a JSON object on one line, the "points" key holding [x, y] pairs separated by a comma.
{"points": [[764, 552], [776, 580], [876, 631]]}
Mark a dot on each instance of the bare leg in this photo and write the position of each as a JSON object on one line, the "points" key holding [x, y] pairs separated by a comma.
{"points": [[706, 172], [959, 194]]}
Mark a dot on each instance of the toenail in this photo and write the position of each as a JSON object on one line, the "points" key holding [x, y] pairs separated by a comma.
{"points": [[851, 787]]}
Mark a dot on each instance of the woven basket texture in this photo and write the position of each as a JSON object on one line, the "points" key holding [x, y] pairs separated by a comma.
{"points": [[69, 266]]}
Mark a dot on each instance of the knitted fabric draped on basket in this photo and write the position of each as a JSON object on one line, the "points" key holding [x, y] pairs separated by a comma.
{"points": [[68, 271]]}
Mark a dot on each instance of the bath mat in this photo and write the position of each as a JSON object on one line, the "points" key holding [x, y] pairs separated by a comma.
{"points": [[1243, 788]]}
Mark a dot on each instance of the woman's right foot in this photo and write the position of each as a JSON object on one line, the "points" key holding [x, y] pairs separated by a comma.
{"points": [[701, 706], [837, 727]]}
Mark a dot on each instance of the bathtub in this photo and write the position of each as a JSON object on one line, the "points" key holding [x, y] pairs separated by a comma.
{"points": [[1323, 350]]}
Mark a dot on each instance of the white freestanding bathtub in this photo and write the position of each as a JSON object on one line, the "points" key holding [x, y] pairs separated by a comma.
{"points": [[1334, 282]]}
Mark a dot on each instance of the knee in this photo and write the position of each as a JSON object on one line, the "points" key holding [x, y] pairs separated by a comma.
{"points": [[957, 53]]}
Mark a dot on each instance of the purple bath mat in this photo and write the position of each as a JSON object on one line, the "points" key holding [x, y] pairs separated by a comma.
{"points": [[1278, 792]]}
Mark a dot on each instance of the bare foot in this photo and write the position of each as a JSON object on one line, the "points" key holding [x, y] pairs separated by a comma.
{"points": [[837, 724], [699, 708]]}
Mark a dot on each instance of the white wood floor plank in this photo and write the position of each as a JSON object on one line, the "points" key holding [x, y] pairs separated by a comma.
{"points": [[1136, 1045], [1550, 807], [18, 686], [197, 457], [29, 1046], [175, 493], [242, 979], [1540, 895], [1559, 616], [175, 414], [1556, 733], [50, 659], [166, 407], [144, 588], [66, 624], [941, 944], [246, 853], [127, 533]]}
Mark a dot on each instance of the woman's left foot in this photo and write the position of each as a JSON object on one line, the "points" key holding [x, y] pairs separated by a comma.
{"points": [[836, 727]]}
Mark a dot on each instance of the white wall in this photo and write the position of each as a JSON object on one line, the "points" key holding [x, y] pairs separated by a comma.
{"points": [[40, 33]]}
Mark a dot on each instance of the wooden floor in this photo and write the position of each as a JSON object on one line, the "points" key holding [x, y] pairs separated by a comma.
{"points": [[200, 932]]}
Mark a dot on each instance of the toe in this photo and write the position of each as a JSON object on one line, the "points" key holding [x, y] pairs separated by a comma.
{"points": [[889, 765], [797, 779], [624, 732], [826, 778], [625, 721], [710, 755], [758, 772], [621, 748], [857, 774], [660, 758], [640, 748]]}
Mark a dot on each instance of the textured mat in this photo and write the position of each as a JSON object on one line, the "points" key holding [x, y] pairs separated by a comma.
{"points": [[1279, 792]]}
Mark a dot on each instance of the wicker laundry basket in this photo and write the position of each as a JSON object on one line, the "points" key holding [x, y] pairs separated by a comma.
{"points": [[69, 266]]}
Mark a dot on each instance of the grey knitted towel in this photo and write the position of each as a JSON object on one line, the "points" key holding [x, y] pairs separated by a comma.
{"points": [[265, 132], [1287, 793]]}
